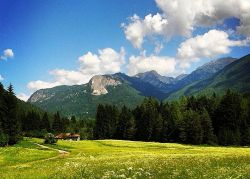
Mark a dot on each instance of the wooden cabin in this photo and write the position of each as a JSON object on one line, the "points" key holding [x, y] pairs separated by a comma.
{"points": [[68, 136]]}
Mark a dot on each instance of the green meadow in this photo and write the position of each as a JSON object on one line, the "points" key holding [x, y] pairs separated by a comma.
{"points": [[122, 159]]}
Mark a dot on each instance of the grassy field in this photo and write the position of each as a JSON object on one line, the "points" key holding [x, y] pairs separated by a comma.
{"points": [[122, 159]]}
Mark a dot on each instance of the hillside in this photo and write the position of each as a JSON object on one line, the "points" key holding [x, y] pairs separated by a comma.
{"points": [[118, 89], [235, 76], [203, 72], [82, 100], [153, 84], [143, 86]]}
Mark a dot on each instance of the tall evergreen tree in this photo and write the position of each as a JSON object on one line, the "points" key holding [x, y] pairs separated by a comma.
{"points": [[65, 124], [227, 124], [145, 119], [57, 123], [45, 124], [191, 130], [245, 122], [126, 125], [175, 120], [99, 131], [207, 128], [12, 125], [3, 136]]}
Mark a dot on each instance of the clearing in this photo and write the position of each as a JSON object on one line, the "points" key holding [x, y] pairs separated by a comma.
{"points": [[122, 159]]}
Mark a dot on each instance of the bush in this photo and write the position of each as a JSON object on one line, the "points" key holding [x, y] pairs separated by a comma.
{"points": [[3, 139], [36, 133], [49, 139]]}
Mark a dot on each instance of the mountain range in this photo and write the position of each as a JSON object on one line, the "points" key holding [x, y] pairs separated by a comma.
{"points": [[120, 89]]}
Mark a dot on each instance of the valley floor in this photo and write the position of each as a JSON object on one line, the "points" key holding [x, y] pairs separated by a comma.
{"points": [[122, 159]]}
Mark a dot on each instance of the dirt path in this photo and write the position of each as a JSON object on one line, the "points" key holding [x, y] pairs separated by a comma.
{"points": [[62, 153]]}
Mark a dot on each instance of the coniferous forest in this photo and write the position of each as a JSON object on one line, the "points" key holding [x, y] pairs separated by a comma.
{"points": [[19, 119], [223, 120]]}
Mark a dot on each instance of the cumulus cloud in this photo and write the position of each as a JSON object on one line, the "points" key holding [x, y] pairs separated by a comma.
{"points": [[107, 61], [1, 78], [208, 45], [36, 85], [22, 96], [184, 15], [163, 65], [181, 17], [139, 28], [7, 53]]}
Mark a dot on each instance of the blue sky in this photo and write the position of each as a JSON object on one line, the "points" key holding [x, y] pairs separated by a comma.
{"points": [[47, 35]]}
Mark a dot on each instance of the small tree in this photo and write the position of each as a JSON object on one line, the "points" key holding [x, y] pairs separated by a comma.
{"points": [[49, 139], [3, 138]]}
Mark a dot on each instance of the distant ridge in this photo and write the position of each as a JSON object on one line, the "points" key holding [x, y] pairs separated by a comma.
{"points": [[120, 89], [235, 76]]}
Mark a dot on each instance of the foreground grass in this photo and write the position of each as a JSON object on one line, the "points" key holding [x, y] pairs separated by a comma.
{"points": [[123, 159]]}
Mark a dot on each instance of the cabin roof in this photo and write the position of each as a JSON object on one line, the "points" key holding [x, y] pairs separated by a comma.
{"points": [[67, 135]]}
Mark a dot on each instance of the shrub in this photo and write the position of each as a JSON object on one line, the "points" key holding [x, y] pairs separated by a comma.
{"points": [[49, 139], [3, 139]]}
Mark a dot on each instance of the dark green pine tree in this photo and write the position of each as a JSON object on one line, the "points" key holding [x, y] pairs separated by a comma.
{"points": [[74, 127], [73, 120], [32, 121], [126, 125], [207, 128], [191, 131], [45, 124], [175, 120], [227, 123], [12, 126], [137, 113], [3, 136], [245, 122], [99, 123], [65, 124], [111, 120], [57, 123], [157, 128], [145, 116], [106, 122]]}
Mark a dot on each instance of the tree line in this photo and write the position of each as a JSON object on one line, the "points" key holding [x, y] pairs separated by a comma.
{"points": [[18, 119], [35, 124], [223, 120]]}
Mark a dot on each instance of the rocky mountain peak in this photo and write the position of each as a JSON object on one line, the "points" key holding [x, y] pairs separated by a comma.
{"points": [[99, 83], [146, 74], [216, 65], [153, 77]]}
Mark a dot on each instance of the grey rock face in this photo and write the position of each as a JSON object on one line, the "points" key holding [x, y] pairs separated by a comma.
{"points": [[40, 96], [99, 83]]}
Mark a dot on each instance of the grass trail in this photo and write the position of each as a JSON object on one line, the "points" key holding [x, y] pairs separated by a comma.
{"points": [[61, 153]]}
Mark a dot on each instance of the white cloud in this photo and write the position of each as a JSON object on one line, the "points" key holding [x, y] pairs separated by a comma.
{"points": [[7, 53], [185, 15], [1, 78], [181, 17], [208, 45], [138, 28], [107, 61], [22, 96], [36, 85], [163, 65], [67, 77]]}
